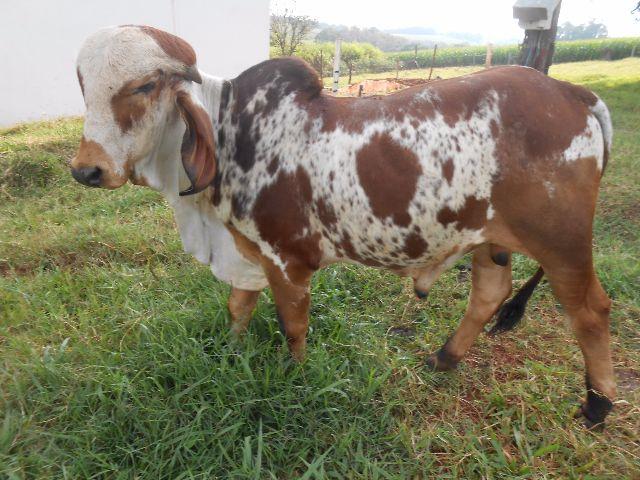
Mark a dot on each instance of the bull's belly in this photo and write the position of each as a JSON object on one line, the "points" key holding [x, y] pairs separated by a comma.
{"points": [[407, 251]]}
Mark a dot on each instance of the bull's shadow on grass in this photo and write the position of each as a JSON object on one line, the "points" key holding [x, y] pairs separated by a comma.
{"points": [[115, 360]]}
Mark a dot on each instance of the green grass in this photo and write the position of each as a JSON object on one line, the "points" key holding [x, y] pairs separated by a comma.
{"points": [[115, 360]]}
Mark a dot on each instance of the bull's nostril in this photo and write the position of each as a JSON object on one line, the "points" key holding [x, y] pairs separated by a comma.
{"points": [[90, 176], [94, 177]]}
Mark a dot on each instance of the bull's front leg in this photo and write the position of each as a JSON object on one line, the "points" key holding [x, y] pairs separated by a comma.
{"points": [[241, 305], [292, 296], [491, 285]]}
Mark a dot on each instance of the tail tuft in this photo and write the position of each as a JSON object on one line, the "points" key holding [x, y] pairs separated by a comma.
{"points": [[601, 112], [511, 312]]}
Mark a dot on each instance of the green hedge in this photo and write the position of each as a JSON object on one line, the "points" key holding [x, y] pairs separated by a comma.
{"points": [[573, 51]]}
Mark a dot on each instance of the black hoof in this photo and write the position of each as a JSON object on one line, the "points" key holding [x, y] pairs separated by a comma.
{"points": [[442, 361], [420, 293], [595, 409], [588, 420]]}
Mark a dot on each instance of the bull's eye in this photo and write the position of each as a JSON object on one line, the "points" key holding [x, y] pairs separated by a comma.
{"points": [[146, 88]]}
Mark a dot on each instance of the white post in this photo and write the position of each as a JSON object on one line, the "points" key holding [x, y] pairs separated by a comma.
{"points": [[336, 66]]}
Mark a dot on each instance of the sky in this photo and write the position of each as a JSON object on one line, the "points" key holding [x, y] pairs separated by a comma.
{"points": [[491, 18]]}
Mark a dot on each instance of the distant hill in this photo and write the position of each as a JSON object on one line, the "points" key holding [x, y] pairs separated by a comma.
{"points": [[432, 35], [398, 39], [386, 42]]}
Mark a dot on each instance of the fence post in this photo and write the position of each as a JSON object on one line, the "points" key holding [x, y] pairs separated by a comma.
{"points": [[433, 59], [336, 66], [489, 58]]}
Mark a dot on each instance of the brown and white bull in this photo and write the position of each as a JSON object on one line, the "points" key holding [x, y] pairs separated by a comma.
{"points": [[277, 179]]}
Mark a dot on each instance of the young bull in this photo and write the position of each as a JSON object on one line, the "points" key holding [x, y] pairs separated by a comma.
{"points": [[277, 179]]}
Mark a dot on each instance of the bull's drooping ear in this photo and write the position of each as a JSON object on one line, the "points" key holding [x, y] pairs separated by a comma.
{"points": [[198, 151]]}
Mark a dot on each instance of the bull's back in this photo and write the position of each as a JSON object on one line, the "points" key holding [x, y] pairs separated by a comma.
{"points": [[432, 166]]}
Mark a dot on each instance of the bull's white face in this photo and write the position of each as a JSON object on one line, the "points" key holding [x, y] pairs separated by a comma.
{"points": [[130, 77]]}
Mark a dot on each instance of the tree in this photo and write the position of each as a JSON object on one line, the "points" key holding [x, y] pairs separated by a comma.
{"points": [[288, 31], [318, 55], [355, 55], [569, 31], [637, 10], [384, 41]]}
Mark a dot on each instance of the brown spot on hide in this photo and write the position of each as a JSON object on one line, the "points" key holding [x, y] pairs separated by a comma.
{"points": [[414, 245], [281, 212], [173, 46], [326, 213], [540, 116], [128, 106], [346, 245], [273, 165], [447, 170], [495, 129], [388, 173], [472, 215]]}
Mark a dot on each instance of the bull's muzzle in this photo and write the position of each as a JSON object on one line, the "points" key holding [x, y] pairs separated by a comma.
{"points": [[89, 176], [93, 167]]}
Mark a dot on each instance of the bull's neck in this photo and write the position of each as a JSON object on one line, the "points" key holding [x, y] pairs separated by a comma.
{"points": [[197, 219]]}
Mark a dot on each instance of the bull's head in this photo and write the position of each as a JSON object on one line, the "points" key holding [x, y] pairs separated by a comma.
{"points": [[138, 87]]}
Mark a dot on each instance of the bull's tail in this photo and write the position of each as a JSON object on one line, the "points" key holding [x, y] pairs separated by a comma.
{"points": [[512, 311], [601, 112]]}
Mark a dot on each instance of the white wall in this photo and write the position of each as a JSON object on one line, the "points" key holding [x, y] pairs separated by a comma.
{"points": [[39, 41]]}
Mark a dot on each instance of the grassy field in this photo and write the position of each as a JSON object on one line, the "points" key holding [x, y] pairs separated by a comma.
{"points": [[115, 360]]}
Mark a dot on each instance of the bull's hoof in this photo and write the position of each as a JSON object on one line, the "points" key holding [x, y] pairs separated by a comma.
{"points": [[594, 411], [589, 421], [442, 361]]}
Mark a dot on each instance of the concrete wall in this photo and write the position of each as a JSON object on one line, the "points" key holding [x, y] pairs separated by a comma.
{"points": [[39, 41]]}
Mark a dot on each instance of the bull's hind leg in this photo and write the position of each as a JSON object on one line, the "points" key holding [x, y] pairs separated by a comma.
{"points": [[241, 305], [587, 306], [491, 285]]}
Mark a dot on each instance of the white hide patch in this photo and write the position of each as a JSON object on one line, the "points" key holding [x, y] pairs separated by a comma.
{"points": [[209, 241], [590, 143], [550, 187]]}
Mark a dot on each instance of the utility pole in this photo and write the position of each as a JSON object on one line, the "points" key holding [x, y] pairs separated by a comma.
{"points": [[539, 18], [433, 59], [336, 66]]}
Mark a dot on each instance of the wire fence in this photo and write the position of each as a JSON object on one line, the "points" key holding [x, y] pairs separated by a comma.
{"points": [[565, 52]]}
